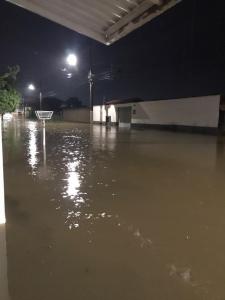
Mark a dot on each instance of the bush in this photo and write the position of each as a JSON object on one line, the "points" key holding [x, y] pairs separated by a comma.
{"points": [[9, 97], [9, 100]]}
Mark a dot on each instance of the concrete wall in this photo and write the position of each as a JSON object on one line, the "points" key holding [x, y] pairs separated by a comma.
{"points": [[81, 115], [200, 112], [193, 112]]}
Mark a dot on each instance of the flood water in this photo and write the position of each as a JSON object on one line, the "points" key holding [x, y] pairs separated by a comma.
{"points": [[107, 214]]}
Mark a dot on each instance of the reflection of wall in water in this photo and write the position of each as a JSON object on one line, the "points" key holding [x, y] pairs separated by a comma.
{"points": [[104, 138]]}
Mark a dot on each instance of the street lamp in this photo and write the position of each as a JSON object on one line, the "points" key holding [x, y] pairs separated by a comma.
{"points": [[71, 60], [31, 87]]}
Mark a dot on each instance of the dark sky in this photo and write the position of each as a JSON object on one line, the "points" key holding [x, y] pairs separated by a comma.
{"points": [[179, 54]]}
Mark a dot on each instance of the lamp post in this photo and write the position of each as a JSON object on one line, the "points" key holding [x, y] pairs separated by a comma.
{"points": [[72, 61], [91, 85], [31, 87]]}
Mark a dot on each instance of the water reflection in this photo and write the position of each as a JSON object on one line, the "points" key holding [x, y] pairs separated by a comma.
{"points": [[104, 138], [110, 215], [32, 146], [44, 172], [82, 160], [72, 181]]}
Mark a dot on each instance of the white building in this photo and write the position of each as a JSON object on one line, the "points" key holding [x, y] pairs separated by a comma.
{"points": [[198, 113]]}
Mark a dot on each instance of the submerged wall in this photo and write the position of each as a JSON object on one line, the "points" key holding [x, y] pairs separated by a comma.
{"points": [[80, 115]]}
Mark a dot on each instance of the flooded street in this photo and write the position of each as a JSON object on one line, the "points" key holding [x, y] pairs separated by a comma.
{"points": [[109, 214]]}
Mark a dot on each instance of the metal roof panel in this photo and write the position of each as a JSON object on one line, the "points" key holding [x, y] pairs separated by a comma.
{"points": [[103, 20]]}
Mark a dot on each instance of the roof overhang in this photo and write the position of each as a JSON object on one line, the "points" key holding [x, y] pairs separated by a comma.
{"points": [[103, 20]]}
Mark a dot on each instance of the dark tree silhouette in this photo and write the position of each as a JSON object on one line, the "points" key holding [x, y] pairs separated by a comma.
{"points": [[51, 103], [73, 102]]}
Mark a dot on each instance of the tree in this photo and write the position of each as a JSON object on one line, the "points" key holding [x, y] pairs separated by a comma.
{"points": [[73, 102], [51, 103], [9, 100], [9, 97]]}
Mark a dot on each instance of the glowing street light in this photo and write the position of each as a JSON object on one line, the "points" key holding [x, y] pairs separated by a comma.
{"points": [[31, 87], [71, 60]]}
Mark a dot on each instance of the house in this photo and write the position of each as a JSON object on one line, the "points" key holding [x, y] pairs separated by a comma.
{"points": [[205, 114]]}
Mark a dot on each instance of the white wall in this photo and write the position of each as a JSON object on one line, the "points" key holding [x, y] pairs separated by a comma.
{"points": [[77, 115], [99, 113], [199, 111]]}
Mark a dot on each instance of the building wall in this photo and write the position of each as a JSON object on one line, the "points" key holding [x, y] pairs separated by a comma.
{"points": [[193, 112], [100, 113], [200, 112], [81, 115]]}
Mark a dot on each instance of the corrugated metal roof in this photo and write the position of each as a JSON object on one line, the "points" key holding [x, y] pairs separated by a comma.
{"points": [[103, 20]]}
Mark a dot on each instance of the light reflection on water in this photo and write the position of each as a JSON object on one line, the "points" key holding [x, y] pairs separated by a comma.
{"points": [[124, 204], [73, 163], [32, 149], [72, 181]]}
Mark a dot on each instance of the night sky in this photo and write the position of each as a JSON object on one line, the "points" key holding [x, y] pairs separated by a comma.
{"points": [[179, 54]]}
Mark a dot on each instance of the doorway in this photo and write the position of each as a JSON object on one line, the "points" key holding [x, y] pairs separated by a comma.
{"points": [[124, 116]]}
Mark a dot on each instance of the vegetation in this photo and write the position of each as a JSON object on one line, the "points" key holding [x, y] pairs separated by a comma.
{"points": [[55, 104], [51, 103], [9, 97], [73, 102]]}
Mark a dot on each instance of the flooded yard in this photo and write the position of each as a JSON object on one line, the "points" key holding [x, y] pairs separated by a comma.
{"points": [[107, 214]]}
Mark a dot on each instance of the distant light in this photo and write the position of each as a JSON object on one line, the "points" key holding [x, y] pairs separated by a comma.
{"points": [[71, 60], [31, 87], [69, 75]]}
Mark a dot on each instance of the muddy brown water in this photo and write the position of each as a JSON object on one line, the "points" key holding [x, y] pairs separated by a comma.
{"points": [[109, 214]]}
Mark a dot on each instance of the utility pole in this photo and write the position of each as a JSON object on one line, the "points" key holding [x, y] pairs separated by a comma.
{"points": [[40, 93], [40, 97], [91, 84], [24, 107]]}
